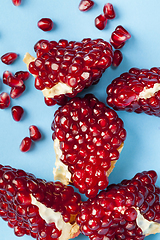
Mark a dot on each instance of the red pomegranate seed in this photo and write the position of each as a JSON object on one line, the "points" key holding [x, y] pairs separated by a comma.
{"points": [[45, 24], [118, 37], [6, 74], [100, 22], [86, 5], [108, 11], [9, 58], [17, 91], [23, 75], [117, 45], [123, 31], [16, 2], [49, 101], [35, 134], [17, 113], [14, 82], [117, 58], [4, 100], [26, 144]]}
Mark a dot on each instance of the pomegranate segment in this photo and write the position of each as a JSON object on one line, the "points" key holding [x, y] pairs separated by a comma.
{"points": [[38, 208], [4, 100], [9, 58], [35, 134], [100, 22], [86, 5], [63, 69], [45, 24], [137, 90], [17, 2], [108, 11], [88, 138], [25, 144], [129, 210], [17, 113]]}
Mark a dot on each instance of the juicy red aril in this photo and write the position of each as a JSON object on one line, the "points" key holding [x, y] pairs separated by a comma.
{"points": [[6, 74], [49, 101], [4, 100], [17, 113], [100, 22], [35, 134], [9, 58], [17, 91], [45, 24], [119, 36], [26, 144], [117, 58], [23, 75], [86, 5], [108, 11], [14, 82], [122, 30], [16, 2]]}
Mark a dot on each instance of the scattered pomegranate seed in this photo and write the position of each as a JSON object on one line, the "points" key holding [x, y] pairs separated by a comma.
{"points": [[6, 74], [17, 113], [45, 24], [35, 134], [119, 36], [16, 2], [23, 75], [26, 144], [86, 5], [17, 91], [4, 100], [108, 11], [123, 31], [49, 101], [117, 58], [100, 22], [14, 82], [9, 58]]}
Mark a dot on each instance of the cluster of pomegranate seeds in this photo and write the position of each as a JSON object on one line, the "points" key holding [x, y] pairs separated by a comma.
{"points": [[89, 135], [17, 191], [45, 24], [119, 36], [137, 90], [4, 100], [9, 58], [108, 13], [117, 58], [113, 213], [75, 65], [86, 5], [17, 2], [17, 113]]}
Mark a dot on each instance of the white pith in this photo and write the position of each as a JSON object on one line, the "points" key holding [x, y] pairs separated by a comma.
{"points": [[58, 89], [149, 92], [68, 230]]}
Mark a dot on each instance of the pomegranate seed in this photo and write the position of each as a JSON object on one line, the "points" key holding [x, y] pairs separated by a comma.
{"points": [[16, 2], [123, 31], [117, 45], [14, 82], [118, 37], [117, 58], [35, 134], [6, 74], [49, 101], [9, 58], [86, 5], [17, 113], [100, 22], [17, 91], [23, 75], [26, 144], [4, 100], [45, 24], [108, 11]]}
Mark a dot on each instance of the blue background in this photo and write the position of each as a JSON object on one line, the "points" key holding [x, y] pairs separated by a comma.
{"points": [[19, 33]]}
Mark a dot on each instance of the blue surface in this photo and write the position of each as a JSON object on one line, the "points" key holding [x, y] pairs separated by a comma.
{"points": [[19, 33]]}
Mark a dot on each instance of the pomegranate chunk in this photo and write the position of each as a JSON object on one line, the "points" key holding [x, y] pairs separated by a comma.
{"points": [[33, 206], [88, 138], [35, 134], [108, 11], [100, 22], [17, 113], [9, 58], [137, 90], [45, 24], [26, 144], [4, 100], [16, 2], [129, 210], [86, 5]]}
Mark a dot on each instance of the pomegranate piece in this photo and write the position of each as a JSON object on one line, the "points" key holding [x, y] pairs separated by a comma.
{"points": [[35, 134], [45, 24], [9, 58], [119, 36], [86, 5], [16, 2], [17, 91], [137, 90], [17, 113], [33, 206], [100, 22], [123, 211], [108, 11], [4, 100], [63, 69], [117, 58], [25, 144], [23, 75], [88, 138]]}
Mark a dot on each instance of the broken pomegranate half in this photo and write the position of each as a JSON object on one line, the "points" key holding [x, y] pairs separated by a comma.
{"points": [[35, 207], [129, 210], [88, 138]]}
